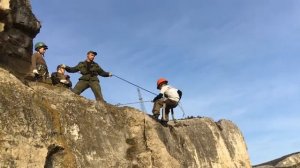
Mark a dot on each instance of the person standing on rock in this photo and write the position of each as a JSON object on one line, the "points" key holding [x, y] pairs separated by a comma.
{"points": [[168, 98], [38, 63], [89, 79], [60, 79]]}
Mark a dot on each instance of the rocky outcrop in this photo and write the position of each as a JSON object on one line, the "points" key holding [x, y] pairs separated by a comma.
{"points": [[288, 161], [47, 126], [18, 26]]}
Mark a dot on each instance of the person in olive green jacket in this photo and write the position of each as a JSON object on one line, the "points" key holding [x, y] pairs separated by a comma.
{"points": [[89, 71]]}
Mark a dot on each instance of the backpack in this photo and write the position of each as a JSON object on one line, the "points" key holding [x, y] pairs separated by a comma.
{"points": [[179, 93]]}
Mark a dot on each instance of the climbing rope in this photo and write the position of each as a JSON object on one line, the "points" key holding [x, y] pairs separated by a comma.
{"points": [[180, 106], [134, 84], [119, 104]]}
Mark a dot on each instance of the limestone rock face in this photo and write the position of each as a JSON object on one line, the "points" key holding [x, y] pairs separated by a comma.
{"points": [[47, 126], [18, 26], [288, 161]]}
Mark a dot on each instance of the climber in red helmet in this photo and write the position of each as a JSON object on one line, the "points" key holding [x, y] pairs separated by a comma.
{"points": [[169, 96]]}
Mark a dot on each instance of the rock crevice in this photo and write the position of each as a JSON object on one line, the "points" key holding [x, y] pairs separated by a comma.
{"points": [[87, 133], [46, 126]]}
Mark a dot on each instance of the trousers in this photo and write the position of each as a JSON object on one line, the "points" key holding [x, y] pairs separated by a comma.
{"points": [[159, 104], [82, 85]]}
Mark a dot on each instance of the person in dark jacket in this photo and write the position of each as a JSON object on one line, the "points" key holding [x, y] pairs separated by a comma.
{"points": [[60, 79], [89, 71]]}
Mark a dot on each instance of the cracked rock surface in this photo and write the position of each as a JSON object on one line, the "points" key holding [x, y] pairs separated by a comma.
{"points": [[18, 27], [288, 161], [47, 126]]}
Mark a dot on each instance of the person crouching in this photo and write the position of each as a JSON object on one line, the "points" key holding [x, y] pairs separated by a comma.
{"points": [[169, 96], [60, 79]]}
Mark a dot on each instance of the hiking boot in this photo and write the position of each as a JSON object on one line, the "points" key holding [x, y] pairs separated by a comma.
{"points": [[164, 123], [155, 116]]}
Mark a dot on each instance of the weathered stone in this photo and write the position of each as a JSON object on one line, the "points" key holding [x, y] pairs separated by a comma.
{"points": [[18, 26], [288, 161], [4, 4], [43, 125], [47, 126]]}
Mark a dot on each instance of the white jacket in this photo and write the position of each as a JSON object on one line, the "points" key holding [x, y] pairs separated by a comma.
{"points": [[170, 92]]}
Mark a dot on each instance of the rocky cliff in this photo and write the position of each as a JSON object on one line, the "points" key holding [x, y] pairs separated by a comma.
{"points": [[47, 126], [288, 161], [18, 26]]}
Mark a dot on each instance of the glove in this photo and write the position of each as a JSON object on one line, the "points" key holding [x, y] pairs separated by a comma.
{"points": [[64, 81], [159, 96], [35, 71], [110, 74]]}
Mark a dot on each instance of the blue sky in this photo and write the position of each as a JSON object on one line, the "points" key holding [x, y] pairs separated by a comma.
{"points": [[232, 59]]}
